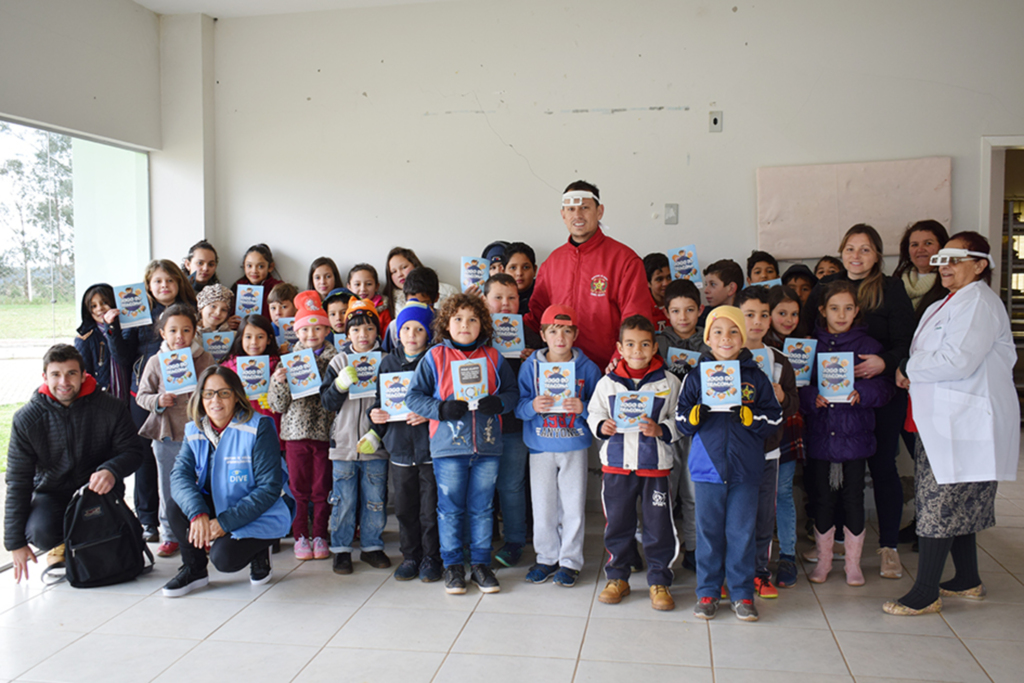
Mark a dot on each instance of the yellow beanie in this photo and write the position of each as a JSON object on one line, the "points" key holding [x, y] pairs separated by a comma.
{"points": [[729, 313]]}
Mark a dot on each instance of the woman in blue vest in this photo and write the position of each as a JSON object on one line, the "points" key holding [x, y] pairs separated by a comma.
{"points": [[226, 486]]}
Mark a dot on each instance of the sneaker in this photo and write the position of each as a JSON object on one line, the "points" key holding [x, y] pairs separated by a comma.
{"points": [[260, 569], [166, 549], [484, 578], [509, 555], [375, 558], [455, 579], [661, 599], [302, 549], [690, 561], [185, 582], [613, 592], [786, 575], [55, 556], [539, 573], [745, 610], [430, 570], [764, 588], [342, 563], [407, 571], [891, 567], [566, 577], [150, 534], [321, 551], [706, 608]]}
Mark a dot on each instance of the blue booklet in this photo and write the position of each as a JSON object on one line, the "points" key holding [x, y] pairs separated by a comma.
{"points": [[628, 407], [469, 381], [248, 300], [764, 361], [681, 359], [474, 271], [720, 384], [767, 283], [178, 371], [508, 338], [217, 344], [367, 366], [800, 353], [835, 376], [133, 306], [254, 371], [339, 341], [303, 374], [286, 337], [557, 380], [684, 266], [393, 388]]}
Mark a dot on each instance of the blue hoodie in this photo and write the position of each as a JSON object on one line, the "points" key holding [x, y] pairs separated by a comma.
{"points": [[555, 432]]}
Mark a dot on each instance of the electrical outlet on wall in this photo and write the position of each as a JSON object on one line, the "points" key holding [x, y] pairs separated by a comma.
{"points": [[715, 121]]}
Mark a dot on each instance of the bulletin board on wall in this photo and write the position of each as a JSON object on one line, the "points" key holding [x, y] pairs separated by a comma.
{"points": [[803, 211]]}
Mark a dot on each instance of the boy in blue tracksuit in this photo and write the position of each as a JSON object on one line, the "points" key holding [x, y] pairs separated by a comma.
{"points": [[726, 464], [558, 443]]}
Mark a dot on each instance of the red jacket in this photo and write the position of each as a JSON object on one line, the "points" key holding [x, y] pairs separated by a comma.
{"points": [[603, 281]]}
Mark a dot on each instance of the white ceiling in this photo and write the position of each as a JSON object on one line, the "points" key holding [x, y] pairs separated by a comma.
{"points": [[252, 8]]}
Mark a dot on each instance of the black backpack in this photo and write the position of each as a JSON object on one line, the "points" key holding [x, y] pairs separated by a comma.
{"points": [[102, 541]]}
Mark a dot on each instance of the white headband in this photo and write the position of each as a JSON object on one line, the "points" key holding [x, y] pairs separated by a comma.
{"points": [[944, 255], [576, 197]]}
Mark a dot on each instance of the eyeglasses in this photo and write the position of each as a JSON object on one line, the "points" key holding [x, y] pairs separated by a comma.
{"points": [[950, 260], [223, 394], [954, 257]]}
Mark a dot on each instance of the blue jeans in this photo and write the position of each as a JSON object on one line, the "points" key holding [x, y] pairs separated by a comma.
{"points": [[785, 510], [726, 516], [352, 478], [465, 490], [512, 487]]}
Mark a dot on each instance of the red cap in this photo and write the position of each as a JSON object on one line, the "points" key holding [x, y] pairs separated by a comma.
{"points": [[308, 310], [556, 310]]}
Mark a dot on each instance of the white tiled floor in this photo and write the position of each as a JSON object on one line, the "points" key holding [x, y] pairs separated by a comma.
{"points": [[311, 625]]}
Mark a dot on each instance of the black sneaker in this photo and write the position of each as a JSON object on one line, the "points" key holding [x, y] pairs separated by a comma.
{"points": [[484, 578], [407, 571], [343, 563], [186, 581], [375, 558], [260, 570], [150, 534], [430, 570], [455, 579]]}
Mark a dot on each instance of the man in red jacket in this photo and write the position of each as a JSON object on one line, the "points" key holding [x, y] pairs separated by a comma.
{"points": [[602, 280]]}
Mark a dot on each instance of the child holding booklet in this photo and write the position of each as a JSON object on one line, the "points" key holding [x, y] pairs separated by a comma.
{"points": [[636, 464], [359, 461], [414, 489], [100, 342], [305, 430], [168, 412], [258, 266], [726, 463], [256, 338], [465, 438], [841, 436], [558, 442]]}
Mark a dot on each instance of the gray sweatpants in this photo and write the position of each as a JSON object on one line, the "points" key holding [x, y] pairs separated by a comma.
{"points": [[558, 486], [680, 484]]}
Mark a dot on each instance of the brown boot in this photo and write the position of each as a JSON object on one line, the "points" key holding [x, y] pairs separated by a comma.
{"points": [[55, 556], [614, 592], [661, 599], [824, 542], [854, 548]]}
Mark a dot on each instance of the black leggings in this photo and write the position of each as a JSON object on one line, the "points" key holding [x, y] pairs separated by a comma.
{"points": [[227, 554], [849, 498]]}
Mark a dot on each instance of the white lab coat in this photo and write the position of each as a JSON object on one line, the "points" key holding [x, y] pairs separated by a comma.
{"points": [[961, 387]]}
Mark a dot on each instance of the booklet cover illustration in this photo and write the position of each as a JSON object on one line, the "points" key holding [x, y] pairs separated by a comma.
{"points": [[367, 366], [508, 334], [339, 340], [133, 306], [474, 271], [254, 371], [767, 283], [835, 376], [764, 362], [557, 380], [217, 344], [629, 407], [469, 380], [393, 388], [679, 359], [286, 337], [684, 265], [800, 353], [303, 374], [248, 300], [178, 370], [720, 384]]}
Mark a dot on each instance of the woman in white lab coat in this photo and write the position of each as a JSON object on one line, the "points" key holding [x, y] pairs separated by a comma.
{"points": [[960, 376]]}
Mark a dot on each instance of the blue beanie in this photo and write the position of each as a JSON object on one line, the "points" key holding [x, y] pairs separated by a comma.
{"points": [[421, 313]]}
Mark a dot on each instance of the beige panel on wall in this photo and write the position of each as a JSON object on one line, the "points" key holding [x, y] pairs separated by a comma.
{"points": [[803, 211]]}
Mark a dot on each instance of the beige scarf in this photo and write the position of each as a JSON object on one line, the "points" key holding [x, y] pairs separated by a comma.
{"points": [[917, 285]]}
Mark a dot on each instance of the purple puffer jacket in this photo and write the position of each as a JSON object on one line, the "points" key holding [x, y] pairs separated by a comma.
{"points": [[841, 432]]}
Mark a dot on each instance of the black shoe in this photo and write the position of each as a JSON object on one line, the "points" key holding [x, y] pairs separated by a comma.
{"points": [[186, 581], [690, 560], [484, 578], [343, 563], [455, 579], [260, 571], [407, 571], [375, 558], [150, 534], [430, 570]]}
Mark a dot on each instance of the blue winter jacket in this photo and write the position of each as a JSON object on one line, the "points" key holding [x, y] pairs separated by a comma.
{"points": [[555, 432]]}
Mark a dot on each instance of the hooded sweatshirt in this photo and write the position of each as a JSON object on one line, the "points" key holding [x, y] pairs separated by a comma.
{"points": [[556, 432]]}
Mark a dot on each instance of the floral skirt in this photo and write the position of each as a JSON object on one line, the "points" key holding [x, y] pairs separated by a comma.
{"points": [[948, 510]]}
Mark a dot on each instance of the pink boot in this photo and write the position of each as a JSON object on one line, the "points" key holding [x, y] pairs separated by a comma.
{"points": [[854, 548], [824, 543]]}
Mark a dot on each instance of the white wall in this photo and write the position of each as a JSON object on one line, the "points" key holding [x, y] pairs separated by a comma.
{"points": [[444, 126], [88, 68]]}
